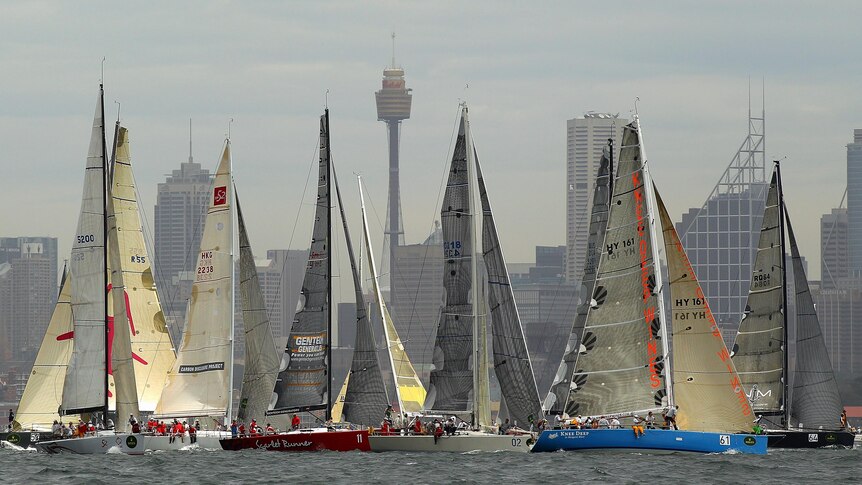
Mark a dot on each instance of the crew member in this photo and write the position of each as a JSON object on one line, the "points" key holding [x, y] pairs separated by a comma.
{"points": [[294, 422]]}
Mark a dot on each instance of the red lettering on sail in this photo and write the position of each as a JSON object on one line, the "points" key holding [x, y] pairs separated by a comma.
{"points": [[220, 195]]}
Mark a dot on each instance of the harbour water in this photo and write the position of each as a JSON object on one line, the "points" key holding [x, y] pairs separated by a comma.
{"points": [[780, 466]]}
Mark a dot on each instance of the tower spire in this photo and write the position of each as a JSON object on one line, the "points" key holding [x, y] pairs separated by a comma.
{"points": [[393, 49], [190, 141]]}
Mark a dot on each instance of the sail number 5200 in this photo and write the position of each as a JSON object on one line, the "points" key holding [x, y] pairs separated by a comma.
{"points": [[86, 238]]}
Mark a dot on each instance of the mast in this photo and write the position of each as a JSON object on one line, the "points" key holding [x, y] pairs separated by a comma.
{"points": [[610, 170], [328, 372], [105, 246], [654, 232], [233, 220], [785, 374]]}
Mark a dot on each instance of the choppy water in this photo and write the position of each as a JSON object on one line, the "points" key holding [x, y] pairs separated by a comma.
{"points": [[780, 466]]}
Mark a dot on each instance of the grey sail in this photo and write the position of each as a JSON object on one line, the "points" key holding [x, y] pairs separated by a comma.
{"points": [[302, 383], [815, 401], [758, 352], [511, 359], [621, 364], [562, 385], [261, 356], [451, 381], [365, 400]]}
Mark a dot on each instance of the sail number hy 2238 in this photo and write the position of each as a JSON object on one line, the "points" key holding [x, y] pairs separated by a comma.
{"points": [[451, 249]]}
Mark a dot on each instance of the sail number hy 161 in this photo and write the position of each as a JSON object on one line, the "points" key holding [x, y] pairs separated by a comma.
{"points": [[451, 249]]}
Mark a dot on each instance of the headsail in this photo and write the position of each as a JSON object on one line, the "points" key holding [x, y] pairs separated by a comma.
{"points": [[621, 366], [408, 388], [511, 360], [85, 384], [705, 383], [303, 378], [562, 385], [759, 350], [152, 352], [44, 390], [261, 357], [200, 382], [815, 401]]}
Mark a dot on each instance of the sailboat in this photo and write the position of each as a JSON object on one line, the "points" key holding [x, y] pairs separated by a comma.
{"points": [[810, 416], [303, 383], [101, 345], [620, 368], [459, 383]]}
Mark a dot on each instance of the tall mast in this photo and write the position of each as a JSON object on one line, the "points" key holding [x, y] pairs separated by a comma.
{"points": [[786, 374], [328, 275], [105, 245], [234, 221]]}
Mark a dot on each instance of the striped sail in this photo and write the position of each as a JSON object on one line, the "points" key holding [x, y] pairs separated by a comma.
{"points": [[199, 382], [621, 366], [302, 379], [758, 352], [511, 360], [408, 388], [151, 351], [451, 382], [562, 386], [706, 386], [85, 385], [261, 356], [44, 390], [815, 401], [364, 399]]}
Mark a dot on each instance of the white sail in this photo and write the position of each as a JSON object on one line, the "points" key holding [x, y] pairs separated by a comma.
{"points": [[408, 387], [152, 353], [44, 390], [705, 383], [85, 386], [199, 383]]}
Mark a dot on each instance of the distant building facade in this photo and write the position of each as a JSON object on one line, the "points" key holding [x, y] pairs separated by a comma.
{"points": [[834, 249], [854, 202], [586, 137]]}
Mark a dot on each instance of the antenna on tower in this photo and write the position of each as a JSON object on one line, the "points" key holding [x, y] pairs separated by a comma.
{"points": [[190, 140], [393, 50]]}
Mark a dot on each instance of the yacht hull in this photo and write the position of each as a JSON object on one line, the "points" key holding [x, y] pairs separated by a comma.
{"points": [[317, 439], [127, 443], [652, 439], [810, 439], [207, 440], [23, 438], [459, 443]]}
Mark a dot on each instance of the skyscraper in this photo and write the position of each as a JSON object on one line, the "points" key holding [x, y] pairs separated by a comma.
{"points": [[834, 250], [586, 137], [393, 106], [854, 202]]}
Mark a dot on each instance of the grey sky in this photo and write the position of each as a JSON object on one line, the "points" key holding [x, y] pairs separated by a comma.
{"points": [[530, 66]]}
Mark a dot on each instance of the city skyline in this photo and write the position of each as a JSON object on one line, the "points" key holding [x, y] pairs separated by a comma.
{"points": [[271, 73]]}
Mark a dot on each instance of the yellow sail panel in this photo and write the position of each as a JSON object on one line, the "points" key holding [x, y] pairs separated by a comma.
{"points": [[338, 407], [706, 386], [410, 388], [43, 393], [152, 353]]}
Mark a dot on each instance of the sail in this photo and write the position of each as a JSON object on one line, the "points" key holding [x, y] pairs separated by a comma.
{"points": [[364, 397], [758, 352], [261, 357], [408, 388], [511, 360], [85, 386], [152, 352], [451, 382], [562, 385], [815, 401], [44, 390], [705, 383], [302, 381], [199, 384], [338, 406], [620, 367]]}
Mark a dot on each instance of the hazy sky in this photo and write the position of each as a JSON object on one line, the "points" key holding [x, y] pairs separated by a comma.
{"points": [[530, 67]]}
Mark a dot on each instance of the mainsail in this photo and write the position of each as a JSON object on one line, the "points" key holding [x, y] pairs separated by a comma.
{"points": [[261, 355], [759, 350], [152, 353], [815, 401], [44, 390], [705, 383], [408, 388], [303, 379], [511, 359], [562, 385], [364, 397], [85, 383], [621, 365], [199, 384], [451, 383]]}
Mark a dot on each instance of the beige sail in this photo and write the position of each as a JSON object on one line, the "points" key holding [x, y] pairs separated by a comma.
{"points": [[338, 407], [152, 353], [199, 382], [408, 386], [706, 386], [43, 393]]}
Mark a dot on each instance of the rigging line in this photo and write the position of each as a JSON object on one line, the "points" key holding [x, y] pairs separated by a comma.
{"points": [[829, 237]]}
